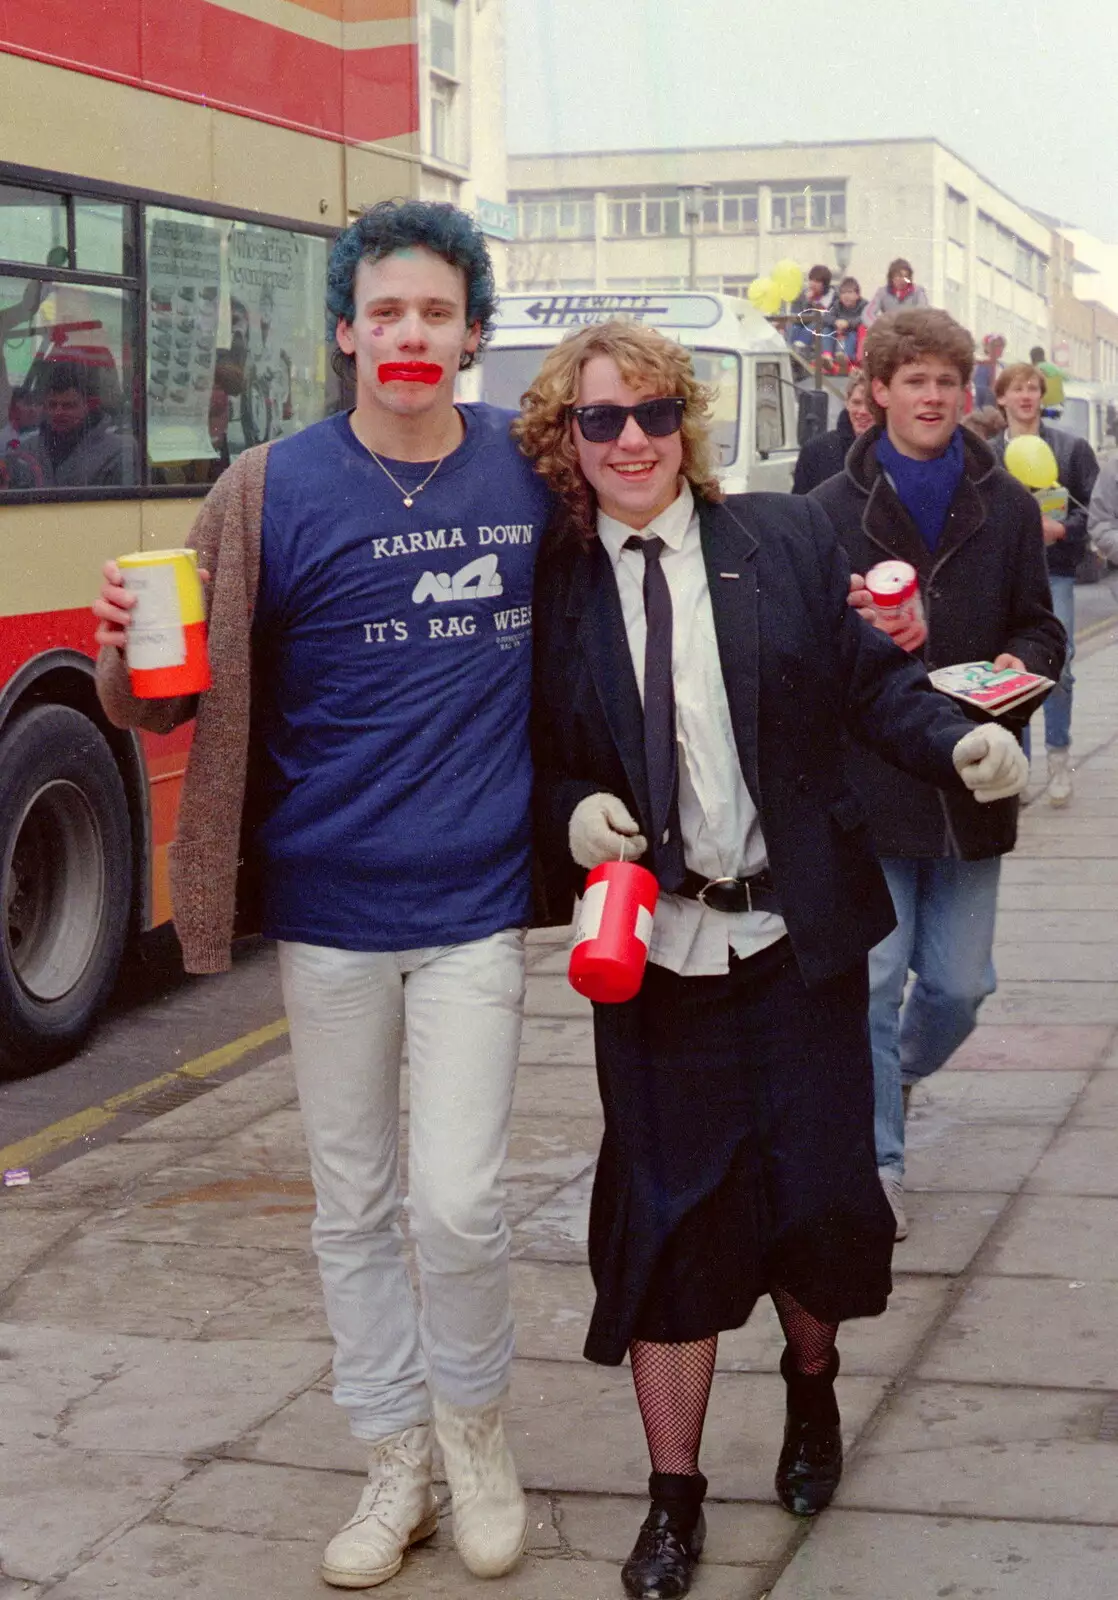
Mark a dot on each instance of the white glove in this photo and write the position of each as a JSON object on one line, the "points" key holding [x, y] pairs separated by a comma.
{"points": [[991, 763], [600, 828]]}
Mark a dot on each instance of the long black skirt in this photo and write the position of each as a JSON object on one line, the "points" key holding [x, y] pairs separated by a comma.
{"points": [[738, 1154]]}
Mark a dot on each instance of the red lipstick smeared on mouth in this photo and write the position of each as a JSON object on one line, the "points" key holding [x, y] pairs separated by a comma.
{"points": [[408, 372]]}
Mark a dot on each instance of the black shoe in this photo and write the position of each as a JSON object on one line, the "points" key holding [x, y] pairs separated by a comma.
{"points": [[810, 1464], [668, 1547]]}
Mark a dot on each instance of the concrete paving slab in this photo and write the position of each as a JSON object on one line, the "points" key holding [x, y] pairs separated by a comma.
{"points": [[558, 1041], [1020, 1048], [946, 1231], [1063, 1334], [558, 1229], [988, 1452], [1064, 1002], [869, 1555], [108, 1176], [1056, 962], [1061, 897], [870, 1346], [552, 996], [272, 1502], [171, 1291], [1080, 1161], [1050, 929], [1057, 1236], [192, 1205], [603, 1527], [226, 1108], [1084, 868], [60, 1503], [271, 1143], [1097, 1106], [575, 1428], [942, 1153], [556, 1092], [34, 1237], [552, 1307], [1005, 1097], [554, 963], [165, 1397], [544, 1156]]}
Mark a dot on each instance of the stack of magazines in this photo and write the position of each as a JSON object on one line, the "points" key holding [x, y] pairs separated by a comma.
{"points": [[990, 689]]}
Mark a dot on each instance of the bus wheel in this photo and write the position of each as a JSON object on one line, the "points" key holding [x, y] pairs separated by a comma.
{"points": [[65, 883]]}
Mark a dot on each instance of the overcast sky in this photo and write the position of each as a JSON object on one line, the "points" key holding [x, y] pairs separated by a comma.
{"points": [[1026, 92]]}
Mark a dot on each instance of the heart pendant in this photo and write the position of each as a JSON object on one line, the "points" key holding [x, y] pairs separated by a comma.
{"points": [[407, 500]]}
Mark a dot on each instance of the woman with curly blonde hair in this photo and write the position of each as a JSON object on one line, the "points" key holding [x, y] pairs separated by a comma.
{"points": [[697, 668]]}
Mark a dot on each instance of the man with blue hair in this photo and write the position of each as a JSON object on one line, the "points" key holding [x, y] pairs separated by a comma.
{"points": [[365, 748]]}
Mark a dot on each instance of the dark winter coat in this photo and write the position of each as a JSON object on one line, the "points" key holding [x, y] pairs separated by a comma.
{"points": [[823, 456], [800, 668], [985, 591], [1078, 471]]}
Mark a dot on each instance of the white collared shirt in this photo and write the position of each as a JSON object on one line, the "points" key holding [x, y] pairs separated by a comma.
{"points": [[721, 829]]}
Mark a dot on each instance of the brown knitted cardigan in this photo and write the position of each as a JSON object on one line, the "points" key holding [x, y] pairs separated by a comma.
{"points": [[204, 855]]}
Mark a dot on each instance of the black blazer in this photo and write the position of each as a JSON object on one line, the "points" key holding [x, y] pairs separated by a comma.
{"points": [[800, 667]]}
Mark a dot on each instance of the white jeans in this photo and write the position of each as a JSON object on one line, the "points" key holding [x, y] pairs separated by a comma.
{"points": [[462, 1006]]}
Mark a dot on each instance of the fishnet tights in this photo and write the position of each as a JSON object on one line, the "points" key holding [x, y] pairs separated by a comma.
{"points": [[673, 1385], [810, 1341], [673, 1382]]}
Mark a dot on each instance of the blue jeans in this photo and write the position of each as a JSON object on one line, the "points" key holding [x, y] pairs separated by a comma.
{"points": [[1057, 708], [945, 935]]}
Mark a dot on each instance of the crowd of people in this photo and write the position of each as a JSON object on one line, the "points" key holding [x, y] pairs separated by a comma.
{"points": [[404, 759]]}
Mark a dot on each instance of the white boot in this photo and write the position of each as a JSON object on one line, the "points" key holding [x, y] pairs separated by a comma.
{"points": [[397, 1509], [490, 1511], [1059, 777]]}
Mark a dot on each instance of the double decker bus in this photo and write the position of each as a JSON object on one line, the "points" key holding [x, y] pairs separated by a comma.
{"points": [[172, 174]]}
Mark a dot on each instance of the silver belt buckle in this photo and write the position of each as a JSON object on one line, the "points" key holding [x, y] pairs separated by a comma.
{"points": [[725, 883]]}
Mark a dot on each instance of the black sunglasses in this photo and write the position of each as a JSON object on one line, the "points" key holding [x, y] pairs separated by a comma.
{"points": [[656, 418]]}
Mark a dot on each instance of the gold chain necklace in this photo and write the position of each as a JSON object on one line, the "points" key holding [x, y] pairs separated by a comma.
{"points": [[408, 494]]}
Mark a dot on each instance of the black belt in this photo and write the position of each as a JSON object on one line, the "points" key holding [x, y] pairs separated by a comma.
{"points": [[731, 895]]}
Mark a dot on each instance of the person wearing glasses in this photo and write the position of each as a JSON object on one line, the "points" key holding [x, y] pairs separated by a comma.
{"points": [[696, 669]]}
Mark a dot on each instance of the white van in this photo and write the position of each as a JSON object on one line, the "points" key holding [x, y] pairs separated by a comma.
{"points": [[736, 351], [1091, 411]]}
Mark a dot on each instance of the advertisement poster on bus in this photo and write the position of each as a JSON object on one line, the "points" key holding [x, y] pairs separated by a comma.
{"points": [[184, 308]]}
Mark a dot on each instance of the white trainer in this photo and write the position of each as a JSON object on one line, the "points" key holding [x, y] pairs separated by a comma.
{"points": [[490, 1511], [893, 1186], [397, 1508], [1060, 787]]}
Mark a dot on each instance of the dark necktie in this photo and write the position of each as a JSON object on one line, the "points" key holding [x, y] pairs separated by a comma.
{"points": [[666, 843]]}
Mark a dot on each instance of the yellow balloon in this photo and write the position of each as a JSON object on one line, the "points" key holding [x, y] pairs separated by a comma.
{"points": [[1031, 461], [788, 278], [764, 294]]}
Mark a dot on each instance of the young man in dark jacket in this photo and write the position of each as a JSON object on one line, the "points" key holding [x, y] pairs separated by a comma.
{"points": [[921, 489], [824, 455], [1020, 392]]}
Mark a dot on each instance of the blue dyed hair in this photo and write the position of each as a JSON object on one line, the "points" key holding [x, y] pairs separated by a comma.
{"points": [[401, 225]]}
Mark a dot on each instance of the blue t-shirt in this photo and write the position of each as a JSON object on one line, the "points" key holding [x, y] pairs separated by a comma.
{"points": [[391, 683]]}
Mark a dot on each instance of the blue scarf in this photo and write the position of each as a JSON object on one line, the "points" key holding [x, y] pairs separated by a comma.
{"points": [[925, 488]]}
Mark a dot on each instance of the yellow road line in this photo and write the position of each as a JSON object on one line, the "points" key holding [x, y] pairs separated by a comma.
{"points": [[83, 1123], [1096, 627]]}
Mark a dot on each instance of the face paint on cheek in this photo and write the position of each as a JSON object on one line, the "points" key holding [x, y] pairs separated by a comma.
{"points": [[409, 372], [378, 333]]}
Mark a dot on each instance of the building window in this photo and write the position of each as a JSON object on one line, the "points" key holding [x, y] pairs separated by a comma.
{"points": [[644, 216], [986, 238], [956, 216], [560, 217], [736, 285], [1023, 265], [730, 210], [444, 37], [1042, 277], [442, 120], [808, 207]]}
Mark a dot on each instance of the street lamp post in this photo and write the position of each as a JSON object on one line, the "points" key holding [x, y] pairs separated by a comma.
{"points": [[844, 249], [692, 197]]}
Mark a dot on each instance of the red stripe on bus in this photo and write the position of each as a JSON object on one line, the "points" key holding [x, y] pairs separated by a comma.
{"points": [[206, 54]]}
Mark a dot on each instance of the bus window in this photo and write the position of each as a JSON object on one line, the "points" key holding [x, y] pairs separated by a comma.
{"points": [[33, 227], [66, 374], [720, 370], [235, 339], [101, 238], [770, 413], [505, 374]]}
